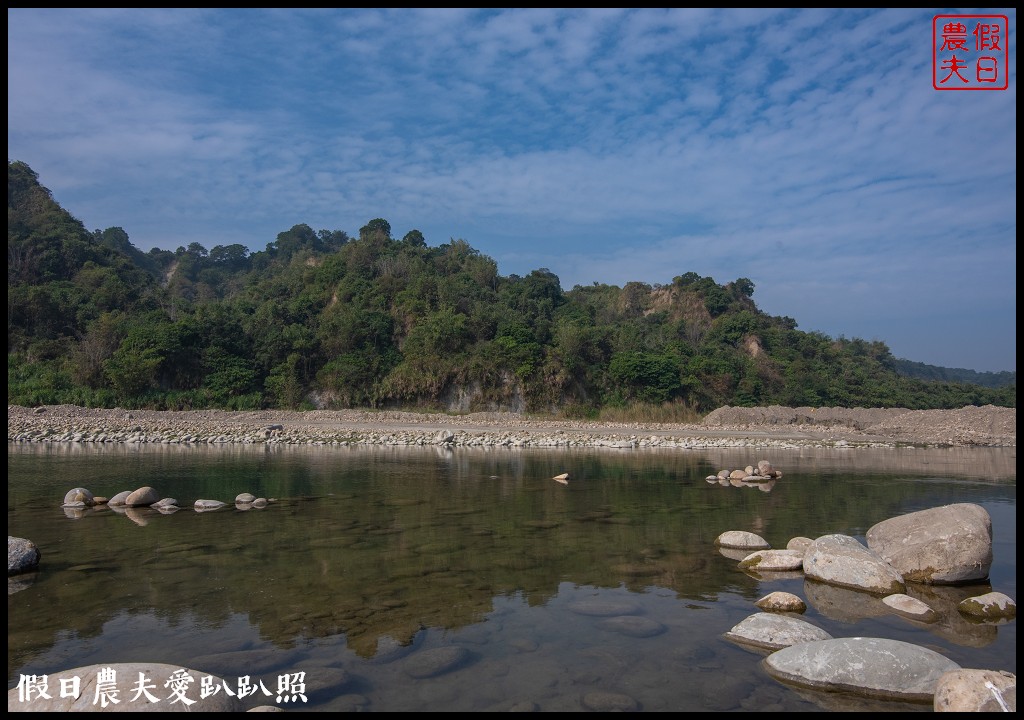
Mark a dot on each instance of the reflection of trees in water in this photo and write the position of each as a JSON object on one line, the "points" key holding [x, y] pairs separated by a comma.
{"points": [[380, 543]]}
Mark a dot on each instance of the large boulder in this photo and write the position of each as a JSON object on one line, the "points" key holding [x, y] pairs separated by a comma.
{"points": [[946, 545], [875, 667], [841, 560], [143, 497], [126, 677], [22, 556]]}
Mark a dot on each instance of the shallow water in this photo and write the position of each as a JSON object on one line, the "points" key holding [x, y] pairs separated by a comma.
{"points": [[430, 579]]}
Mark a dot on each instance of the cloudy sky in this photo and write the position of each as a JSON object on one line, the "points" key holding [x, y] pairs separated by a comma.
{"points": [[806, 150]]}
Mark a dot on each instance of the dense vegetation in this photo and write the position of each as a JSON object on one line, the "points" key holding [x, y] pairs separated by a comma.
{"points": [[321, 319]]}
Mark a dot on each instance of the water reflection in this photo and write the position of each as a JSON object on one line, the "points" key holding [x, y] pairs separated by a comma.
{"points": [[368, 557]]}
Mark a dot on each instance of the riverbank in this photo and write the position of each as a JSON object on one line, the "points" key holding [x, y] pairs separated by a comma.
{"points": [[780, 427]]}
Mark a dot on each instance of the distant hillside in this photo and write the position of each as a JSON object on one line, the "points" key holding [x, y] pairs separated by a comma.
{"points": [[321, 319], [921, 371]]}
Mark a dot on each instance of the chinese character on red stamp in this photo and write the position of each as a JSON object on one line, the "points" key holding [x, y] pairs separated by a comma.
{"points": [[970, 52]]}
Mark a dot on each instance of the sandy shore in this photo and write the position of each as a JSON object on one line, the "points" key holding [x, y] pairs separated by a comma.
{"points": [[727, 427]]}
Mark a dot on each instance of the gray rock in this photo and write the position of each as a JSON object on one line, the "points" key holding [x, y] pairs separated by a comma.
{"points": [[207, 505], [799, 543], [875, 667], [741, 539], [773, 632], [444, 436], [144, 496], [762, 560], [157, 674], [841, 560], [245, 498], [976, 691], [990, 606], [946, 545], [22, 556], [782, 602], [78, 497], [119, 499]]}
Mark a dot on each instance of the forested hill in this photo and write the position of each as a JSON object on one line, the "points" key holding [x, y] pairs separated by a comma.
{"points": [[923, 371], [321, 319]]}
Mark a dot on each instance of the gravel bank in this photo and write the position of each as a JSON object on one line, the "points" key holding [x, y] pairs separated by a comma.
{"points": [[726, 427]]}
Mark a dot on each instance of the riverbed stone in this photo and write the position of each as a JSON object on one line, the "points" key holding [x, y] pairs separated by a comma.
{"points": [[876, 667], [772, 631], [969, 690], [22, 556], [841, 560], [990, 606], [765, 560], [144, 496], [741, 539], [78, 497], [946, 545], [910, 607], [437, 661], [601, 701], [597, 607], [202, 505], [156, 674], [632, 626], [780, 601], [245, 498], [119, 499], [800, 543]]}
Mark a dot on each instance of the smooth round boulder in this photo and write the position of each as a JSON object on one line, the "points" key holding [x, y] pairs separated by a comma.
{"points": [[742, 540], [947, 545], [771, 631], [143, 497], [873, 667], [766, 560], [78, 497], [119, 499], [779, 601], [22, 556], [841, 560]]}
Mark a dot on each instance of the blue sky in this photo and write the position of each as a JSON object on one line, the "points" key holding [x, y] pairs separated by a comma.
{"points": [[804, 149]]}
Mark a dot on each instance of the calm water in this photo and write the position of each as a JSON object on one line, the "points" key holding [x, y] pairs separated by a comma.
{"points": [[374, 559]]}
